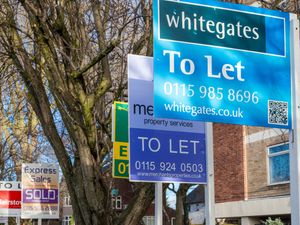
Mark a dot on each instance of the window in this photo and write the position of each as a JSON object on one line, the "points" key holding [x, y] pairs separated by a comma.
{"points": [[67, 201], [173, 221], [279, 164], [149, 220], [117, 202], [67, 220], [114, 192]]}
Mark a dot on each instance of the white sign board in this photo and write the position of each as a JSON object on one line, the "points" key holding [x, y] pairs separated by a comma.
{"points": [[40, 191], [10, 199]]}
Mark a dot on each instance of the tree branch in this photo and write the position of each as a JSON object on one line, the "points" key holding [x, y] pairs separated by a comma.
{"points": [[96, 60]]}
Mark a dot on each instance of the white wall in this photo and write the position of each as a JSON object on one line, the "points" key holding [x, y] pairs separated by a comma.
{"points": [[254, 207]]}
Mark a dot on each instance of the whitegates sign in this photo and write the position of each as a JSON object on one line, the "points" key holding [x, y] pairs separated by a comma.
{"points": [[222, 62]]}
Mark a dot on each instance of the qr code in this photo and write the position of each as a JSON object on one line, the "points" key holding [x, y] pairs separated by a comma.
{"points": [[277, 112]]}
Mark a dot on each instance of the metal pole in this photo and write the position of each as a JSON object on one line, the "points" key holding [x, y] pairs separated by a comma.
{"points": [[39, 221], [210, 186], [294, 134], [158, 204], [18, 220]]}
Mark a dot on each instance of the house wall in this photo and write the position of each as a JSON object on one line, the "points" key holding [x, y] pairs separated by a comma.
{"points": [[196, 207], [254, 207], [257, 140], [240, 162], [229, 163], [125, 190]]}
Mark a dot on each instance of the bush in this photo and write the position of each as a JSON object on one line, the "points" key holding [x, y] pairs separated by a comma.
{"points": [[269, 221]]}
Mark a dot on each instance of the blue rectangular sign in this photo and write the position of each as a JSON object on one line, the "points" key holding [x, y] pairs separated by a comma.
{"points": [[160, 149], [221, 62]]}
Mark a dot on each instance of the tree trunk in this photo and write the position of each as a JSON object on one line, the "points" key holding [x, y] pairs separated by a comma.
{"points": [[64, 54], [181, 212]]}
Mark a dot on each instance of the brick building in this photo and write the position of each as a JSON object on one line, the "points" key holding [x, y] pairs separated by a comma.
{"points": [[251, 174]]}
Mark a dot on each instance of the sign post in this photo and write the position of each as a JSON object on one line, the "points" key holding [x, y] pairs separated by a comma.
{"points": [[18, 220], [158, 203], [294, 134], [210, 186]]}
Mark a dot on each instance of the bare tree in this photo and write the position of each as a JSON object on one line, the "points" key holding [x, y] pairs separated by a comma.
{"points": [[19, 127], [70, 57], [283, 5], [245, 2]]}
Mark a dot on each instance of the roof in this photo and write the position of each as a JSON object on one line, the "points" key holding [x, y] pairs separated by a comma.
{"points": [[196, 196]]}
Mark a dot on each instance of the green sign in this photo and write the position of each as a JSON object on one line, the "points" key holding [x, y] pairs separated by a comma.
{"points": [[121, 168], [120, 145], [121, 121]]}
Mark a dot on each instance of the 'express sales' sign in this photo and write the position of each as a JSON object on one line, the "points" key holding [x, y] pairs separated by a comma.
{"points": [[40, 192]]}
